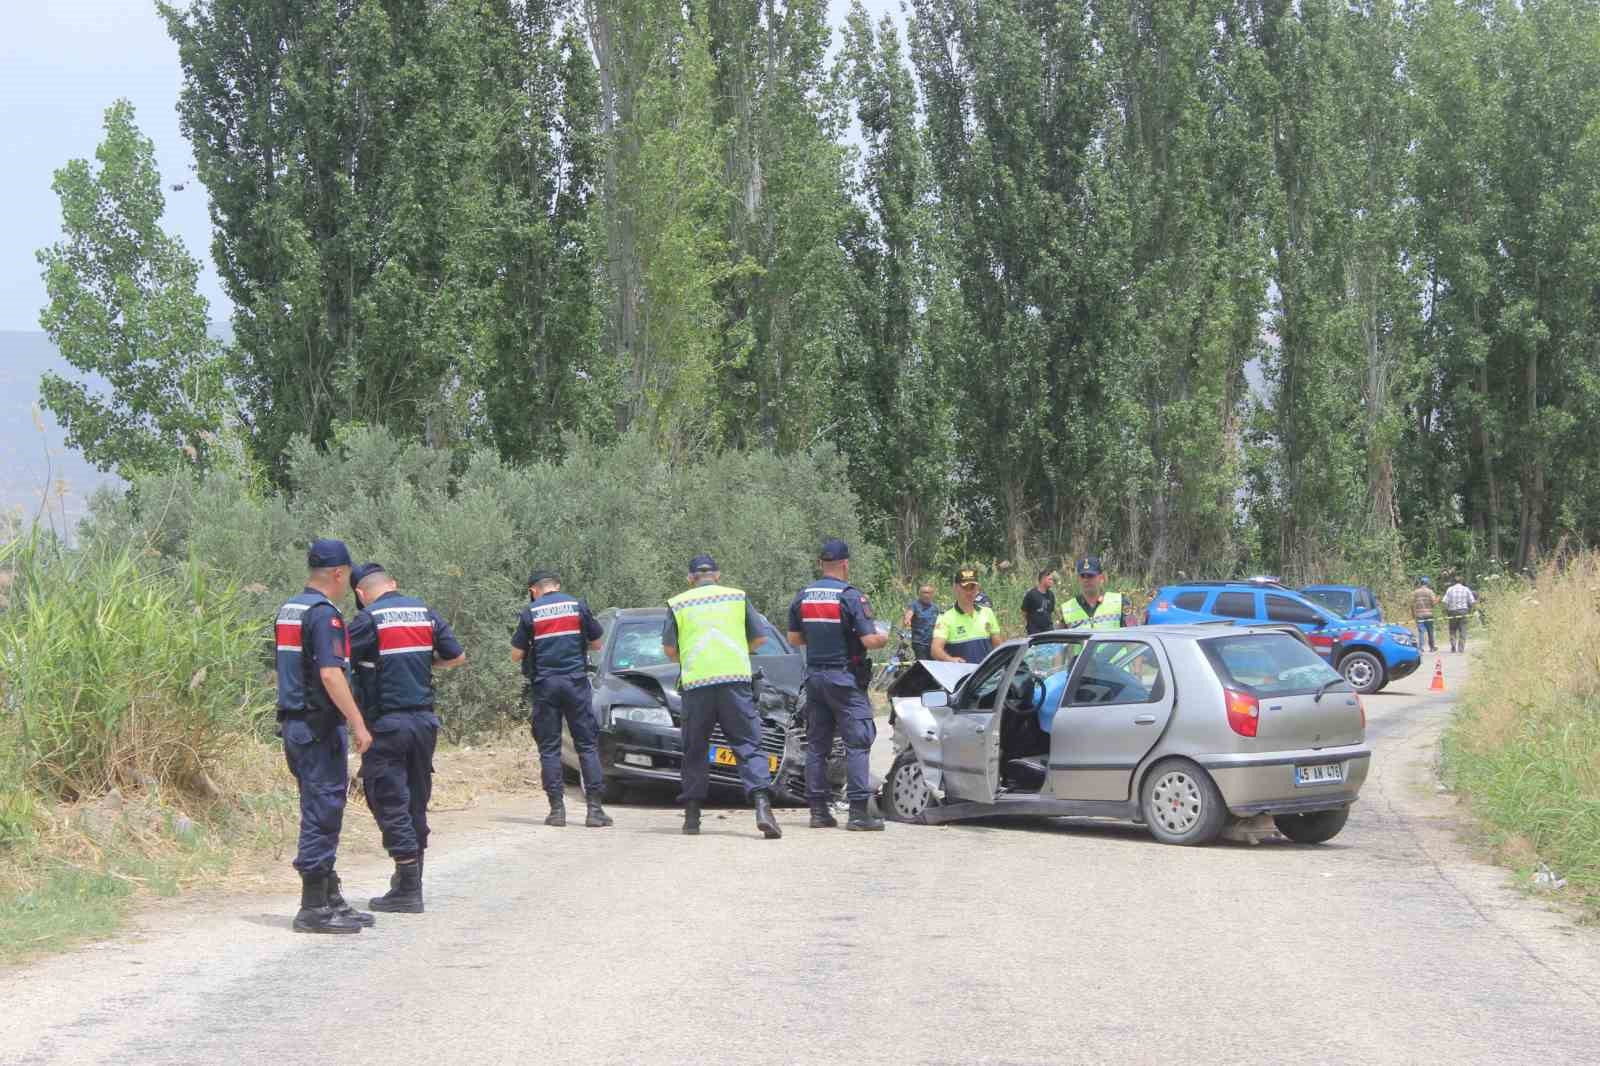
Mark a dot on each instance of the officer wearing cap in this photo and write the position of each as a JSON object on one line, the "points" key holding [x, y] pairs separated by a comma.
{"points": [[710, 631], [969, 630], [1093, 607], [396, 641], [316, 715], [832, 620], [554, 636]]}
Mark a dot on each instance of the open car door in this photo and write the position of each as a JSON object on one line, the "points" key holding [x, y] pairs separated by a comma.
{"points": [[970, 732]]}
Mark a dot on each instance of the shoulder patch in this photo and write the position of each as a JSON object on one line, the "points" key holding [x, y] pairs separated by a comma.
{"points": [[336, 623]]}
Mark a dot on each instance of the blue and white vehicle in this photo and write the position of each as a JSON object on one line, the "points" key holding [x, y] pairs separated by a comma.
{"points": [[1355, 602], [1369, 654]]}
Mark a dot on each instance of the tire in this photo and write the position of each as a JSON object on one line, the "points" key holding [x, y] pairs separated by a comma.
{"points": [[905, 795], [1181, 804], [1315, 828], [1364, 671]]}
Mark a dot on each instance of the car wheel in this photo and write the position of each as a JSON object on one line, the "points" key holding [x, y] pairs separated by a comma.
{"points": [[1363, 670], [905, 794], [1181, 804], [1315, 828]]}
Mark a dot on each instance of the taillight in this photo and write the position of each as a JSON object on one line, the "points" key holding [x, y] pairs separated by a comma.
{"points": [[1244, 712], [1163, 605]]}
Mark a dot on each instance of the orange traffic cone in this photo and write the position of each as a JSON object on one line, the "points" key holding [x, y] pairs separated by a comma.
{"points": [[1437, 685]]}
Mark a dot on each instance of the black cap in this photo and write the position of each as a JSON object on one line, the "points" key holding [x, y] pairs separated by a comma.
{"points": [[967, 575], [834, 550], [542, 575], [702, 564], [324, 553], [1089, 566], [364, 571]]}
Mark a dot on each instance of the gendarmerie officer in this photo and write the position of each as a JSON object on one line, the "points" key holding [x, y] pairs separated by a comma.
{"points": [[316, 715], [832, 620], [396, 641], [710, 631], [554, 635]]}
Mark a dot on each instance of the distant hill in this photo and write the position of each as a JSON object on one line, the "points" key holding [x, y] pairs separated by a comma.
{"points": [[25, 464]]}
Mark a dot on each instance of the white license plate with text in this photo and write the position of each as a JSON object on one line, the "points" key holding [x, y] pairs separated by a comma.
{"points": [[1327, 773]]}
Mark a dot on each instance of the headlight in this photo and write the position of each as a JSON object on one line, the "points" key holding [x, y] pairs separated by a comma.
{"points": [[1405, 640], [656, 715]]}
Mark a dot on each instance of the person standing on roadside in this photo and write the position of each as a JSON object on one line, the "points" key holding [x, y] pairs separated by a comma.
{"points": [[969, 630], [397, 641], [554, 636], [1093, 607], [710, 631], [1458, 604], [832, 620], [1423, 604], [921, 615], [1039, 604], [317, 714]]}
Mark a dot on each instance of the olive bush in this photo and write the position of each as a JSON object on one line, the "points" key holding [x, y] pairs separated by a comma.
{"points": [[619, 522]]}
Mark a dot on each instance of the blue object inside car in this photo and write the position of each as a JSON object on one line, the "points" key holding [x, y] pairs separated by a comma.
{"points": [[1055, 687]]}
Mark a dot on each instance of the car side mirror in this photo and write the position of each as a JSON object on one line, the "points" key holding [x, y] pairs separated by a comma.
{"points": [[936, 699]]}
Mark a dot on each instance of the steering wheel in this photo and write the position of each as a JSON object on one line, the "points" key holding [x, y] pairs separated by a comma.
{"points": [[1027, 692]]}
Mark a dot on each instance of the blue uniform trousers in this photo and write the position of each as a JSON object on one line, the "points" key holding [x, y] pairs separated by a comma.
{"points": [[397, 775], [320, 768], [567, 697], [834, 703], [733, 707]]}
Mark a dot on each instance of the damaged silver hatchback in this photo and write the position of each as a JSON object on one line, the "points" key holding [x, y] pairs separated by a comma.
{"points": [[1194, 731]]}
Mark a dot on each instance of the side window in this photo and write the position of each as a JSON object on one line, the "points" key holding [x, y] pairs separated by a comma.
{"points": [[979, 693], [1283, 609], [1235, 605], [1189, 601], [1043, 660], [1118, 671], [1367, 602]]}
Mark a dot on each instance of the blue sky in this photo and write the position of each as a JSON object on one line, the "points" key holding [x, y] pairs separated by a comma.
{"points": [[62, 63]]}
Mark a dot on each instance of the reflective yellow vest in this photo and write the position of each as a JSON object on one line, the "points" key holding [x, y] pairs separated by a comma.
{"points": [[712, 647], [1107, 614]]}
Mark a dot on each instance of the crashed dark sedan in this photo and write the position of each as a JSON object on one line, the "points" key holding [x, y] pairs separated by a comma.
{"points": [[637, 704]]}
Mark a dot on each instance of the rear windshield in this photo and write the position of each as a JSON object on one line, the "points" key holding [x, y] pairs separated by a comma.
{"points": [[1267, 664], [1334, 600]]}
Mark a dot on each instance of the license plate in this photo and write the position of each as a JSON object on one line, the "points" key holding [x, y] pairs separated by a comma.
{"points": [[1327, 773], [725, 757]]}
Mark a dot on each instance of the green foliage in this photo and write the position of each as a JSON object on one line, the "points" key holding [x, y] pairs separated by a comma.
{"points": [[619, 522], [124, 306], [117, 671]]}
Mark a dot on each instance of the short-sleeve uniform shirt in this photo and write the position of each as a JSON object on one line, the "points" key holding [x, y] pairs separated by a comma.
{"points": [[968, 636], [555, 631], [833, 616]]}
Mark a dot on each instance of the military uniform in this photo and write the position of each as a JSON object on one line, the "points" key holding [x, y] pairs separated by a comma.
{"points": [[833, 616], [554, 632], [711, 626], [394, 640], [310, 635]]}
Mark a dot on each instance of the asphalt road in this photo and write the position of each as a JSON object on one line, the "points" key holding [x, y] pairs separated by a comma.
{"points": [[1002, 943]]}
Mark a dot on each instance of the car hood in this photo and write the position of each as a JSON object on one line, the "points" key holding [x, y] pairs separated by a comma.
{"points": [[786, 673], [925, 675]]}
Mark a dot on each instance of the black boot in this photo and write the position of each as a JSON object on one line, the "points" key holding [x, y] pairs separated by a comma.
{"points": [[558, 810], [405, 891], [821, 816], [764, 819], [861, 817], [691, 818], [315, 915], [598, 818], [341, 907]]}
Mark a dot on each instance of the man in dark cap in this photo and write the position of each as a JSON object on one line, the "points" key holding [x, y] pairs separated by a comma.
{"points": [[832, 620], [1093, 607], [710, 631], [396, 642], [317, 714], [969, 630], [554, 636]]}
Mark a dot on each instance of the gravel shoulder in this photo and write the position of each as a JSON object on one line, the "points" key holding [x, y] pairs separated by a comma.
{"points": [[1064, 941]]}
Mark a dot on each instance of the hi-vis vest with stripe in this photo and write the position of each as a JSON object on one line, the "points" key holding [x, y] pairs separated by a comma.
{"points": [[712, 647], [1107, 613]]}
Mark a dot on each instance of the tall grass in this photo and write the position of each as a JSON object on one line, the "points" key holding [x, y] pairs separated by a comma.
{"points": [[118, 671], [1525, 745]]}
